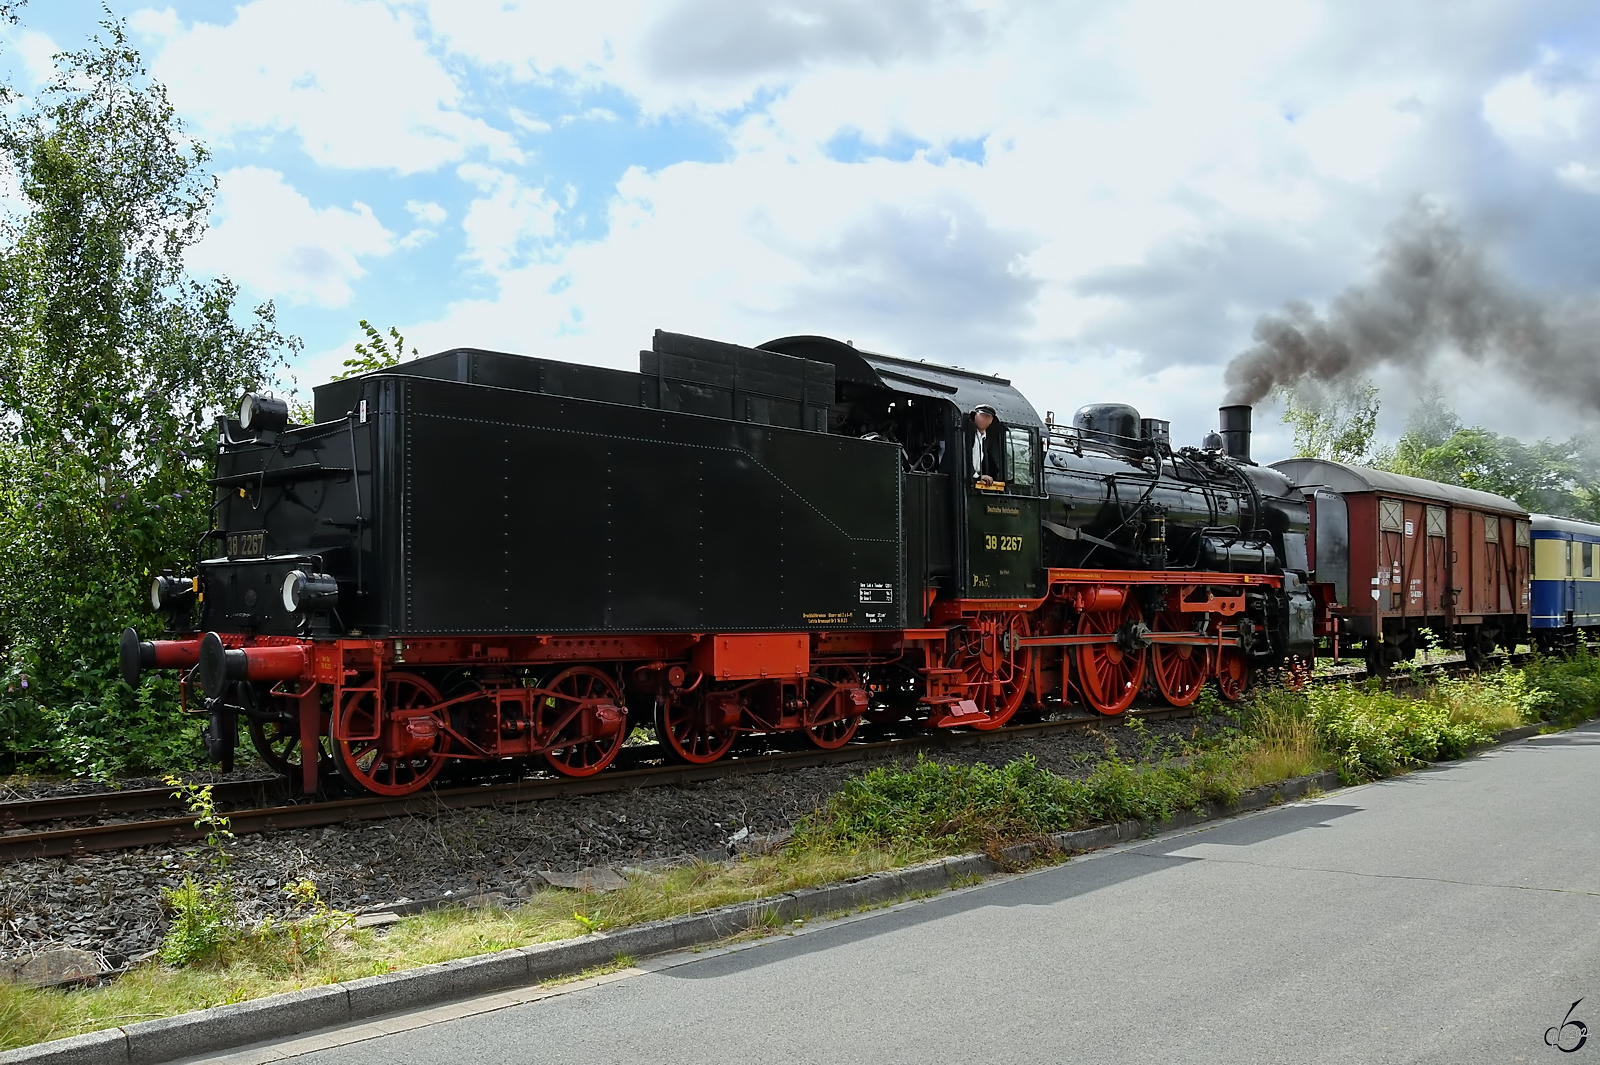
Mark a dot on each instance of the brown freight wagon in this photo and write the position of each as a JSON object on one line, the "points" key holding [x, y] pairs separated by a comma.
{"points": [[1394, 557]]}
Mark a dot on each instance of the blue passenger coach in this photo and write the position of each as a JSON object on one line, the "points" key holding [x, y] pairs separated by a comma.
{"points": [[1566, 579]]}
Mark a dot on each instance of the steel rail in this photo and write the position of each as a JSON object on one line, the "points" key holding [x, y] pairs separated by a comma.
{"points": [[77, 842], [111, 803]]}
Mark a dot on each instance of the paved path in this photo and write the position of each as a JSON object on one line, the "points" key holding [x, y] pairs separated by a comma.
{"points": [[1452, 915]]}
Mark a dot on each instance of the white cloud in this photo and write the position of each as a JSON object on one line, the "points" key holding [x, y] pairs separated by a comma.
{"points": [[1525, 107], [1581, 176], [351, 78], [38, 53], [426, 212], [150, 22], [268, 236], [1356, 135], [1153, 176], [507, 220], [710, 54], [1104, 136], [529, 122]]}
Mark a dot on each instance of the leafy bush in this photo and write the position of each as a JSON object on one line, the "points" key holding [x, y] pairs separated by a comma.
{"points": [[113, 364], [1571, 686], [1373, 732]]}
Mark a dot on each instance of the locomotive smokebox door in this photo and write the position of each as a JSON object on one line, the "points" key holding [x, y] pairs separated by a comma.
{"points": [[1005, 558]]}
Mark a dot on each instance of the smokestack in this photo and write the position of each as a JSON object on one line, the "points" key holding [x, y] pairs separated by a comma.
{"points": [[1234, 419]]}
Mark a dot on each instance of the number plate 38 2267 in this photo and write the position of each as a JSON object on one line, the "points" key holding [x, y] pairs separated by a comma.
{"points": [[247, 544]]}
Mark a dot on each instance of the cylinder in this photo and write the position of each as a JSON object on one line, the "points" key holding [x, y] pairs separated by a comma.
{"points": [[1101, 597], [1235, 426]]}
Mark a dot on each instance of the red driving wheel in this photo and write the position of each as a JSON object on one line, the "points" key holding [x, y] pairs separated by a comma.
{"points": [[1233, 674], [1108, 675], [827, 704], [580, 721], [394, 750], [988, 651], [1181, 669], [696, 729]]}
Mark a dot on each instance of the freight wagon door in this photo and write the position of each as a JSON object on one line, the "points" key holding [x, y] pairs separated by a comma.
{"points": [[1391, 555], [1461, 596], [1437, 578], [1497, 596], [1416, 567], [1521, 561]]}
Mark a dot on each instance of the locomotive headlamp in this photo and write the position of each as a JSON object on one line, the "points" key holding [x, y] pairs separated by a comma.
{"points": [[262, 413], [169, 593], [307, 591]]}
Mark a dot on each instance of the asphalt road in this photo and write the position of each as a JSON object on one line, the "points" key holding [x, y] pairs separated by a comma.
{"points": [[1452, 915]]}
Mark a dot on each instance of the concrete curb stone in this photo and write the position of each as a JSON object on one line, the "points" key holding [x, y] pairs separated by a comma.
{"points": [[167, 1038], [296, 1012], [106, 1045], [373, 996]]}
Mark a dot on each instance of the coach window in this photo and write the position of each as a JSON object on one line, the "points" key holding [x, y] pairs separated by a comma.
{"points": [[1019, 453], [1588, 560], [1569, 558]]}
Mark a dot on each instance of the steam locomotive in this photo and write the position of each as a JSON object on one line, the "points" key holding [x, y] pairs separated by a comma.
{"points": [[485, 556]]}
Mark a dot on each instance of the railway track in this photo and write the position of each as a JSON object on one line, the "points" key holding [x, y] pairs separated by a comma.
{"points": [[79, 841], [107, 804], [76, 841]]}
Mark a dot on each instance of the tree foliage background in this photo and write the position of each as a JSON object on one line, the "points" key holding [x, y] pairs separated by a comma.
{"points": [[1546, 476], [113, 364]]}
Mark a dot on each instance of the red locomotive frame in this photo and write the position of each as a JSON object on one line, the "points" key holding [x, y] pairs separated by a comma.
{"points": [[373, 705]]}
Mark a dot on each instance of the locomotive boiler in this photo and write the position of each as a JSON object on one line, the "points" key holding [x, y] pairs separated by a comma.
{"points": [[484, 556]]}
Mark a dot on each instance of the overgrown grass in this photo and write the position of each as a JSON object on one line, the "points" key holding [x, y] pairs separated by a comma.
{"points": [[262, 967], [931, 808], [889, 816], [1572, 685]]}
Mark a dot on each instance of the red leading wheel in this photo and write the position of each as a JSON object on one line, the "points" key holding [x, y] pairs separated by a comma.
{"points": [[1108, 675], [1233, 674], [997, 668], [580, 721], [831, 715], [699, 726], [397, 751], [1181, 669]]}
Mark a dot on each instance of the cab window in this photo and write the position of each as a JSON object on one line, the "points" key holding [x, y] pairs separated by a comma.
{"points": [[1020, 459]]}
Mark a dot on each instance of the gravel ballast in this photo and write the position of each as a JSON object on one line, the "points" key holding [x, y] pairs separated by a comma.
{"points": [[111, 903]]}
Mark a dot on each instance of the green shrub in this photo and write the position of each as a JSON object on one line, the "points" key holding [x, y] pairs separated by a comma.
{"points": [[114, 362], [1372, 732], [204, 922], [1572, 685]]}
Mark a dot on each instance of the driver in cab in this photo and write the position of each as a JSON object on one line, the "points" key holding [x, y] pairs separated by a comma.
{"points": [[986, 443]]}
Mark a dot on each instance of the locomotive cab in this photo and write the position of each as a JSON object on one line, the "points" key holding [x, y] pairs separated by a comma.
{"points": [[962, 540]]}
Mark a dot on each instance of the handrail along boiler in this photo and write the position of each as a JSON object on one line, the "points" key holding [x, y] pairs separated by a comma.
{"points": [[478, 555]]}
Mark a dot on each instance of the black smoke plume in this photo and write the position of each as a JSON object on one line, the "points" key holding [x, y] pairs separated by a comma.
{"points": [[1431, 292]]}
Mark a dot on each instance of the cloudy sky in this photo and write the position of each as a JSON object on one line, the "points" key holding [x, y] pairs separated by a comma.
{"points": [[1096, 199]]}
